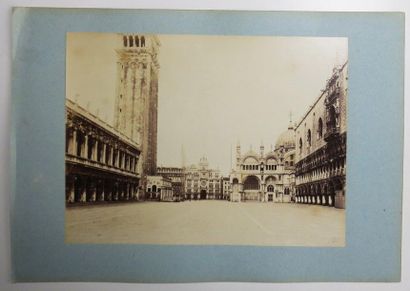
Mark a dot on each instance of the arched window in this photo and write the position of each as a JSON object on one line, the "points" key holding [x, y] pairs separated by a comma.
{"points": [[120, 160], [90, 146], [80, 143], [125, 40], [100, 152], [137, 41], [114, 158], [320, 129], [251, 183], [142, 41], [131, 40], [300, 144], [154, 188], [309, 138], [107, 154], [332, 118], [271, 188]]}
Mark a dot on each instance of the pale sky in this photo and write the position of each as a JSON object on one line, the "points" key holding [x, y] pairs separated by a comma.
{"points": [[213, 90]]}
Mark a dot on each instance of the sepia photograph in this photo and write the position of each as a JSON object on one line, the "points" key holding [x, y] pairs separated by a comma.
{"points": [[206, 139]]}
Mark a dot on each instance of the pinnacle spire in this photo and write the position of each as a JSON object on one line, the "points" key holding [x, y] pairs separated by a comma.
{"points": [[290, 126]]}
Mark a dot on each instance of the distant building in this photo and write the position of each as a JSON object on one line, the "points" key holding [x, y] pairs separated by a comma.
{"points": [[321, 146], [136, 106], [159, 188], [177, 176], [202, 182], [100, 162], [226, 188], [265, 177]]}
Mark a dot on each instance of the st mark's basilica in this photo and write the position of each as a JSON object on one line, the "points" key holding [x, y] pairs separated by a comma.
{"points": [[266, 176]]}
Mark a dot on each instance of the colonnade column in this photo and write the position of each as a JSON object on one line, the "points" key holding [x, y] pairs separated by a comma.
{"points": [[93, 191], [94, 153], [72, 142], [85, 148], [83, 197], [104, 152], [71, 189], [111, 158], [103, 189]]}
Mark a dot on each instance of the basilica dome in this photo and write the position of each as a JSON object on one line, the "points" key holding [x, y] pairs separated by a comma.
{"points": [[286, 139]]}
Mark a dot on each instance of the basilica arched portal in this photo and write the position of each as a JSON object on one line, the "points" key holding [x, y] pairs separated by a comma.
{"points": [[251, 188]]}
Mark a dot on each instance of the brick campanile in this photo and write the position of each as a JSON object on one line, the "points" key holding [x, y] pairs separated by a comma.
{"points": [[136, 106]]}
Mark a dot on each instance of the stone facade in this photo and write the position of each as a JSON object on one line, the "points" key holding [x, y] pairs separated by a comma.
{"points": [[226, 188], [136, 104], [321, 146], [265, 177], [101, 163], [159, 188], [177, 176], [202, 182]]}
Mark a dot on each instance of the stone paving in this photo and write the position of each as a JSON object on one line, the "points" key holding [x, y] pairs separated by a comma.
{"points": [[207, 222]]}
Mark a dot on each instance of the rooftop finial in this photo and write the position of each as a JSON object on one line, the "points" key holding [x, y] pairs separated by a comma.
{"points": [[262, 149], [290, 126]]}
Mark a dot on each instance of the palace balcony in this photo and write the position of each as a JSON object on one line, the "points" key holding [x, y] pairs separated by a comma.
{"points": [[331, 132], [332, 95]]}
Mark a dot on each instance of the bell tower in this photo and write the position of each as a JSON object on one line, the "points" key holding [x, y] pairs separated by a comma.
{"points": [[136, 103], [238, 156]]}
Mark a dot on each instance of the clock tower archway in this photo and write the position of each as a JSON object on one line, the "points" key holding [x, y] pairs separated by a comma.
{"points": [[203, 194]]}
